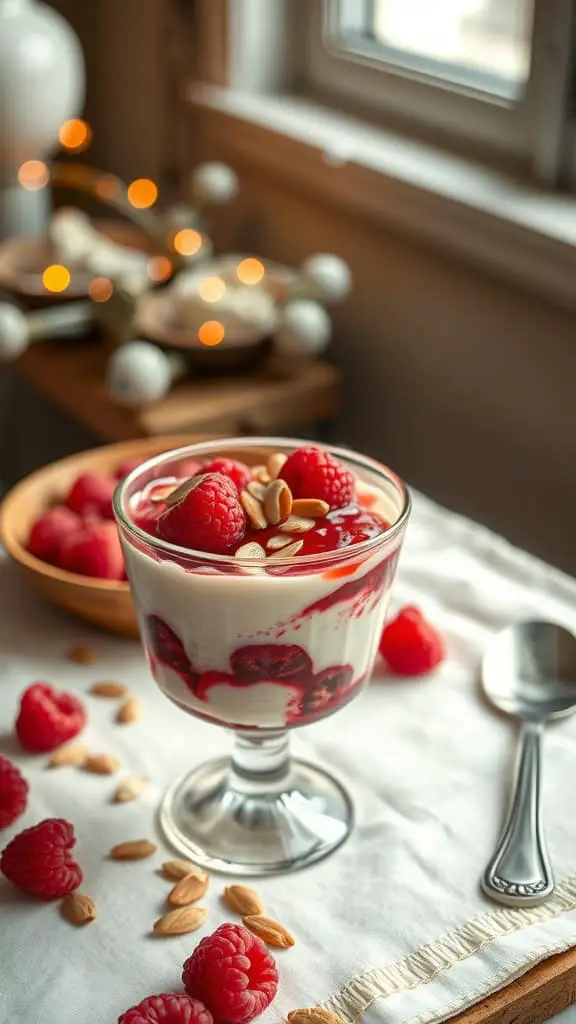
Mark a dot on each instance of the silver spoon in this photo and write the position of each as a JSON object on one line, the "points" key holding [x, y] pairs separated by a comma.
{"points": [[528, 671]]}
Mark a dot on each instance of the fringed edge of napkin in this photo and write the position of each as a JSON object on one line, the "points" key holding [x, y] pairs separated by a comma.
{"points": [[434, 958]]}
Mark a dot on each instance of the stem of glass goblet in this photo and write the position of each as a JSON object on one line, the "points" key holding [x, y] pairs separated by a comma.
{"points": [[260, 762]]}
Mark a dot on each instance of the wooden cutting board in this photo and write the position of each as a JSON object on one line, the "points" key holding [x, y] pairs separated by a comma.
{"points": [[535, 997]]}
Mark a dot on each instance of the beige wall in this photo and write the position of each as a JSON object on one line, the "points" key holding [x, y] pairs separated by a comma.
{"points": [[124, 43]]}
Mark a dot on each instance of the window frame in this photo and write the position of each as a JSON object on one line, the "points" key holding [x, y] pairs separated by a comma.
{"points": [[259, 115], [535, 129]]}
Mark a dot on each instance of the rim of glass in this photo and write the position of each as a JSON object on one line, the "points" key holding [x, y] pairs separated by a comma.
{"points": [[348, 456]]}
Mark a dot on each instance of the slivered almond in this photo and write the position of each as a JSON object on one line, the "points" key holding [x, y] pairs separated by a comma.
{"points": [[250, 550], [180, 492], [79, 909], [81, 655], [277, 502], [275, 543], [161, 493], [271, 932], [130, 789], [275, 463], [313, 1015], [261, 474], [74, 753], [254, 511], [256, 489], [174, 870], [101, 764], [180, 921], [130, 711], [242, 900], [311, 508], [297, 524], [108, 689], [189, 889], [135, 849], [288, 551]]}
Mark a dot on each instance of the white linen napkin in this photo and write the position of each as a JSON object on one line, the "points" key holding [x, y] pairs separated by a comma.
{"points": [[393, 924]]}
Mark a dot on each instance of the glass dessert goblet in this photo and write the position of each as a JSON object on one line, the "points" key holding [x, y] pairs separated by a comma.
{"points": [[262, 641]]}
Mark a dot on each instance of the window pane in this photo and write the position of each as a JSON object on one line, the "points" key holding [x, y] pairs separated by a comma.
{"points": [[486, 36]]}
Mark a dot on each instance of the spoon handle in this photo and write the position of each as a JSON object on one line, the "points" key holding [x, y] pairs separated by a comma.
{"points": [[519, 874]]}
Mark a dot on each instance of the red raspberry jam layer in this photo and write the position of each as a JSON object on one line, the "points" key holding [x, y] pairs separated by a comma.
{"points": [[315, 694], [342, 528]]}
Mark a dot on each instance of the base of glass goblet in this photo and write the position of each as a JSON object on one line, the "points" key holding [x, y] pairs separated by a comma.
{"points": [[236, 832]]}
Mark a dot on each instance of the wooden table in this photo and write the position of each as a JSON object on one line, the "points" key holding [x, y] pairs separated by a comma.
{"points": [[537, 996], [278, 396]]}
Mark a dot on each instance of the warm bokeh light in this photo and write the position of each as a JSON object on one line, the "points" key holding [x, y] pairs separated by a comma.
{"points": [[211, 332], [142, 193], [56, 278], [250, 271], [100, 289], [106, 187], [211, 289], [159, 268], [187, 242], [75, 135], [33, 175]]}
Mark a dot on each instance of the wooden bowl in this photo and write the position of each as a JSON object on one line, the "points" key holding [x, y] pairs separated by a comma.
{"points": [[153, 321], [156, 319], [22, 261], [104, 603]]}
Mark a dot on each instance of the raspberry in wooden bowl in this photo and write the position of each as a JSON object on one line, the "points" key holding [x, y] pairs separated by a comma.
{"points": [[261, 585], [57, 525]]}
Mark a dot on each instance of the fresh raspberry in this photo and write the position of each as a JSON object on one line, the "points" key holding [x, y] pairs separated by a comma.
{"points": [[39, 860], [314, 473], [13, 792], [278, 663], [167, 1009], [410, 645], [209, 517], [167, 647], [91, 494], [94, 551], [50, 532], [237, 472], [48, 718], [232, 973]]}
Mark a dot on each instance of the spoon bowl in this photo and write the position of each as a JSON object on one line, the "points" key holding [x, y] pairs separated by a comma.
{"points": [[529, 671]]}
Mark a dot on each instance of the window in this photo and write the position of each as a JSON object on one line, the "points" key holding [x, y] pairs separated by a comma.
{"points": [[482, 43], [494, 73]]}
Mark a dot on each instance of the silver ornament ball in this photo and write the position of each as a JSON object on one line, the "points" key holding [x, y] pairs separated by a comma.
{"points": [[214, 183], [14, 334], [328, 276], [138, 373], [305, 329]]}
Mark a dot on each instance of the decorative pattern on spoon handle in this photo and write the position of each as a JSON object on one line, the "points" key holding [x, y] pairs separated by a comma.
{"points": [[519, 873]]}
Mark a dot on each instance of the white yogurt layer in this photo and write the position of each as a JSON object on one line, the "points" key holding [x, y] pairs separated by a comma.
{"points": [[214, 614], [262, 704]]}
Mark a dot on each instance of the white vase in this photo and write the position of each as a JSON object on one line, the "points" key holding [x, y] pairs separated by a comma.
{"points": [[42, 83]]}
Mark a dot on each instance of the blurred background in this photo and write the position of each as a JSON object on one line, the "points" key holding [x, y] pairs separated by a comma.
{"points": [[429, 146]]}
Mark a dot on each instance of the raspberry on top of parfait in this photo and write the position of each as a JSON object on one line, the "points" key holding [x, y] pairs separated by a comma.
{"points": [[314, 473], [302, 504]]}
